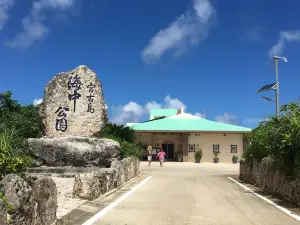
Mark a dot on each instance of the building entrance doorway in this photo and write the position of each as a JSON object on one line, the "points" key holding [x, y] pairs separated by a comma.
{"points": [[169, 150]]}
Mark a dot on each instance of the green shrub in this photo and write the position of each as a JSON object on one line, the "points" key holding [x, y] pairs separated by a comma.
{"points": [[126, 137], [198, 154], [12, 159], [279, 138], [216, 154]]}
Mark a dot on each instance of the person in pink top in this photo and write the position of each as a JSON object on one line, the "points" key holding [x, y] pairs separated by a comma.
{"points": [[161, 155]]}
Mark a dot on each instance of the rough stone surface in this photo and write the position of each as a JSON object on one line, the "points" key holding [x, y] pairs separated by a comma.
{"points": [[19, 195], [87, 117], [33, 200], [3, 213], [92, 185], [266, 177], [75, 151], [45, 201]]}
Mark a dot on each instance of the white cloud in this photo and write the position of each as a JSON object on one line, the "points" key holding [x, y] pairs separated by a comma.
{"points": [[37, 101], [278, 48], [133, 112], [227, 118], [152, 105], [33, 26], [173, 103], [201, 115], [188, 29], [5, 6]]}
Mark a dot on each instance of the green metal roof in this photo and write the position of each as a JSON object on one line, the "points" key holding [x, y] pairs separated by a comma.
{"points": [[163, 112], [187, 124]]}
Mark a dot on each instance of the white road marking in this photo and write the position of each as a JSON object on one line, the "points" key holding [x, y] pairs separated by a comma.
{"points": [[267, 200], [101, 213]]}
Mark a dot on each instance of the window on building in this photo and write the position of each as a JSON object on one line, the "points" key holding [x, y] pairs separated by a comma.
{"points": [[191, 148], [216, 148], [233, 148]]}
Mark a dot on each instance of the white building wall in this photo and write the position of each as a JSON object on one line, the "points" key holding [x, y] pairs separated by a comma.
{"points": [[205, 141]]}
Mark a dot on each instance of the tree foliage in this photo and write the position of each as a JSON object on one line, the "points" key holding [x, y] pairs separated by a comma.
{"points": [[126, 137], [278, 137], [17, 124], [23, 119], [119, 131]]}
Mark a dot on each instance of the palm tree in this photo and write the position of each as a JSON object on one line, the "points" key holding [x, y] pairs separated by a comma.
{"points": [[119, 131]]}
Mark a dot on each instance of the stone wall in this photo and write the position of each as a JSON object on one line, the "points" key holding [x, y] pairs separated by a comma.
{"points": [[264, 176], [92, 185], [33, 200], [29, 201]]}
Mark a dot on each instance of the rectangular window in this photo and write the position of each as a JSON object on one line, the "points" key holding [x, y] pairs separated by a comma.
{"points": [[216, 148], [191, 148], [233, 148]]}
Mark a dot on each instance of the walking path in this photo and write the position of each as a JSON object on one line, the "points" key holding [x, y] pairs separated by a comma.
{"points": [[182, 194]]}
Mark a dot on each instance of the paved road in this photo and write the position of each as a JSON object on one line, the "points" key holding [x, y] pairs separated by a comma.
{"points": [[192, 194]]}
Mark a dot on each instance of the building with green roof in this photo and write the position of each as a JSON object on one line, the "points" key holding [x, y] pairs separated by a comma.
{"points": [[180, 133]]}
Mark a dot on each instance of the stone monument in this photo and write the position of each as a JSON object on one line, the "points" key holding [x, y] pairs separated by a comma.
{"points": [[73, 104], [73, 113]]}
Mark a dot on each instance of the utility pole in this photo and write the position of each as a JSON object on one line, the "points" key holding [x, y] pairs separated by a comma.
{"points": [[273, 86], [277, 88], [277, 83]]}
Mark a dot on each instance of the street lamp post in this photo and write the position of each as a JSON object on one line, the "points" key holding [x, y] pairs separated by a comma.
{"points": [[277, 88], [277, 82], [274, 86]]}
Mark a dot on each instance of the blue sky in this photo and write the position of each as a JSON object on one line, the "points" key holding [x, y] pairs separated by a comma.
{"points": [[199, 54]]}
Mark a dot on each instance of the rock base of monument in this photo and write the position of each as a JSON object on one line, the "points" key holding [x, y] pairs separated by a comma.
{"points": [[74, 151], [92, 185], [61, 171], [92, 163]]}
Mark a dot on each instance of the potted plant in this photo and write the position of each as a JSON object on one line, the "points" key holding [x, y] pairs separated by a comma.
{"points": [[235, 159], [179, 156], [198, 155], [216, 154]]}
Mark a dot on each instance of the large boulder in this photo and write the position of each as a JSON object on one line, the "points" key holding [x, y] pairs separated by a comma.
{"points": [[19, 195], [3, 213], [75, 151], [31, 200], [45, 200], [73, 104]]}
